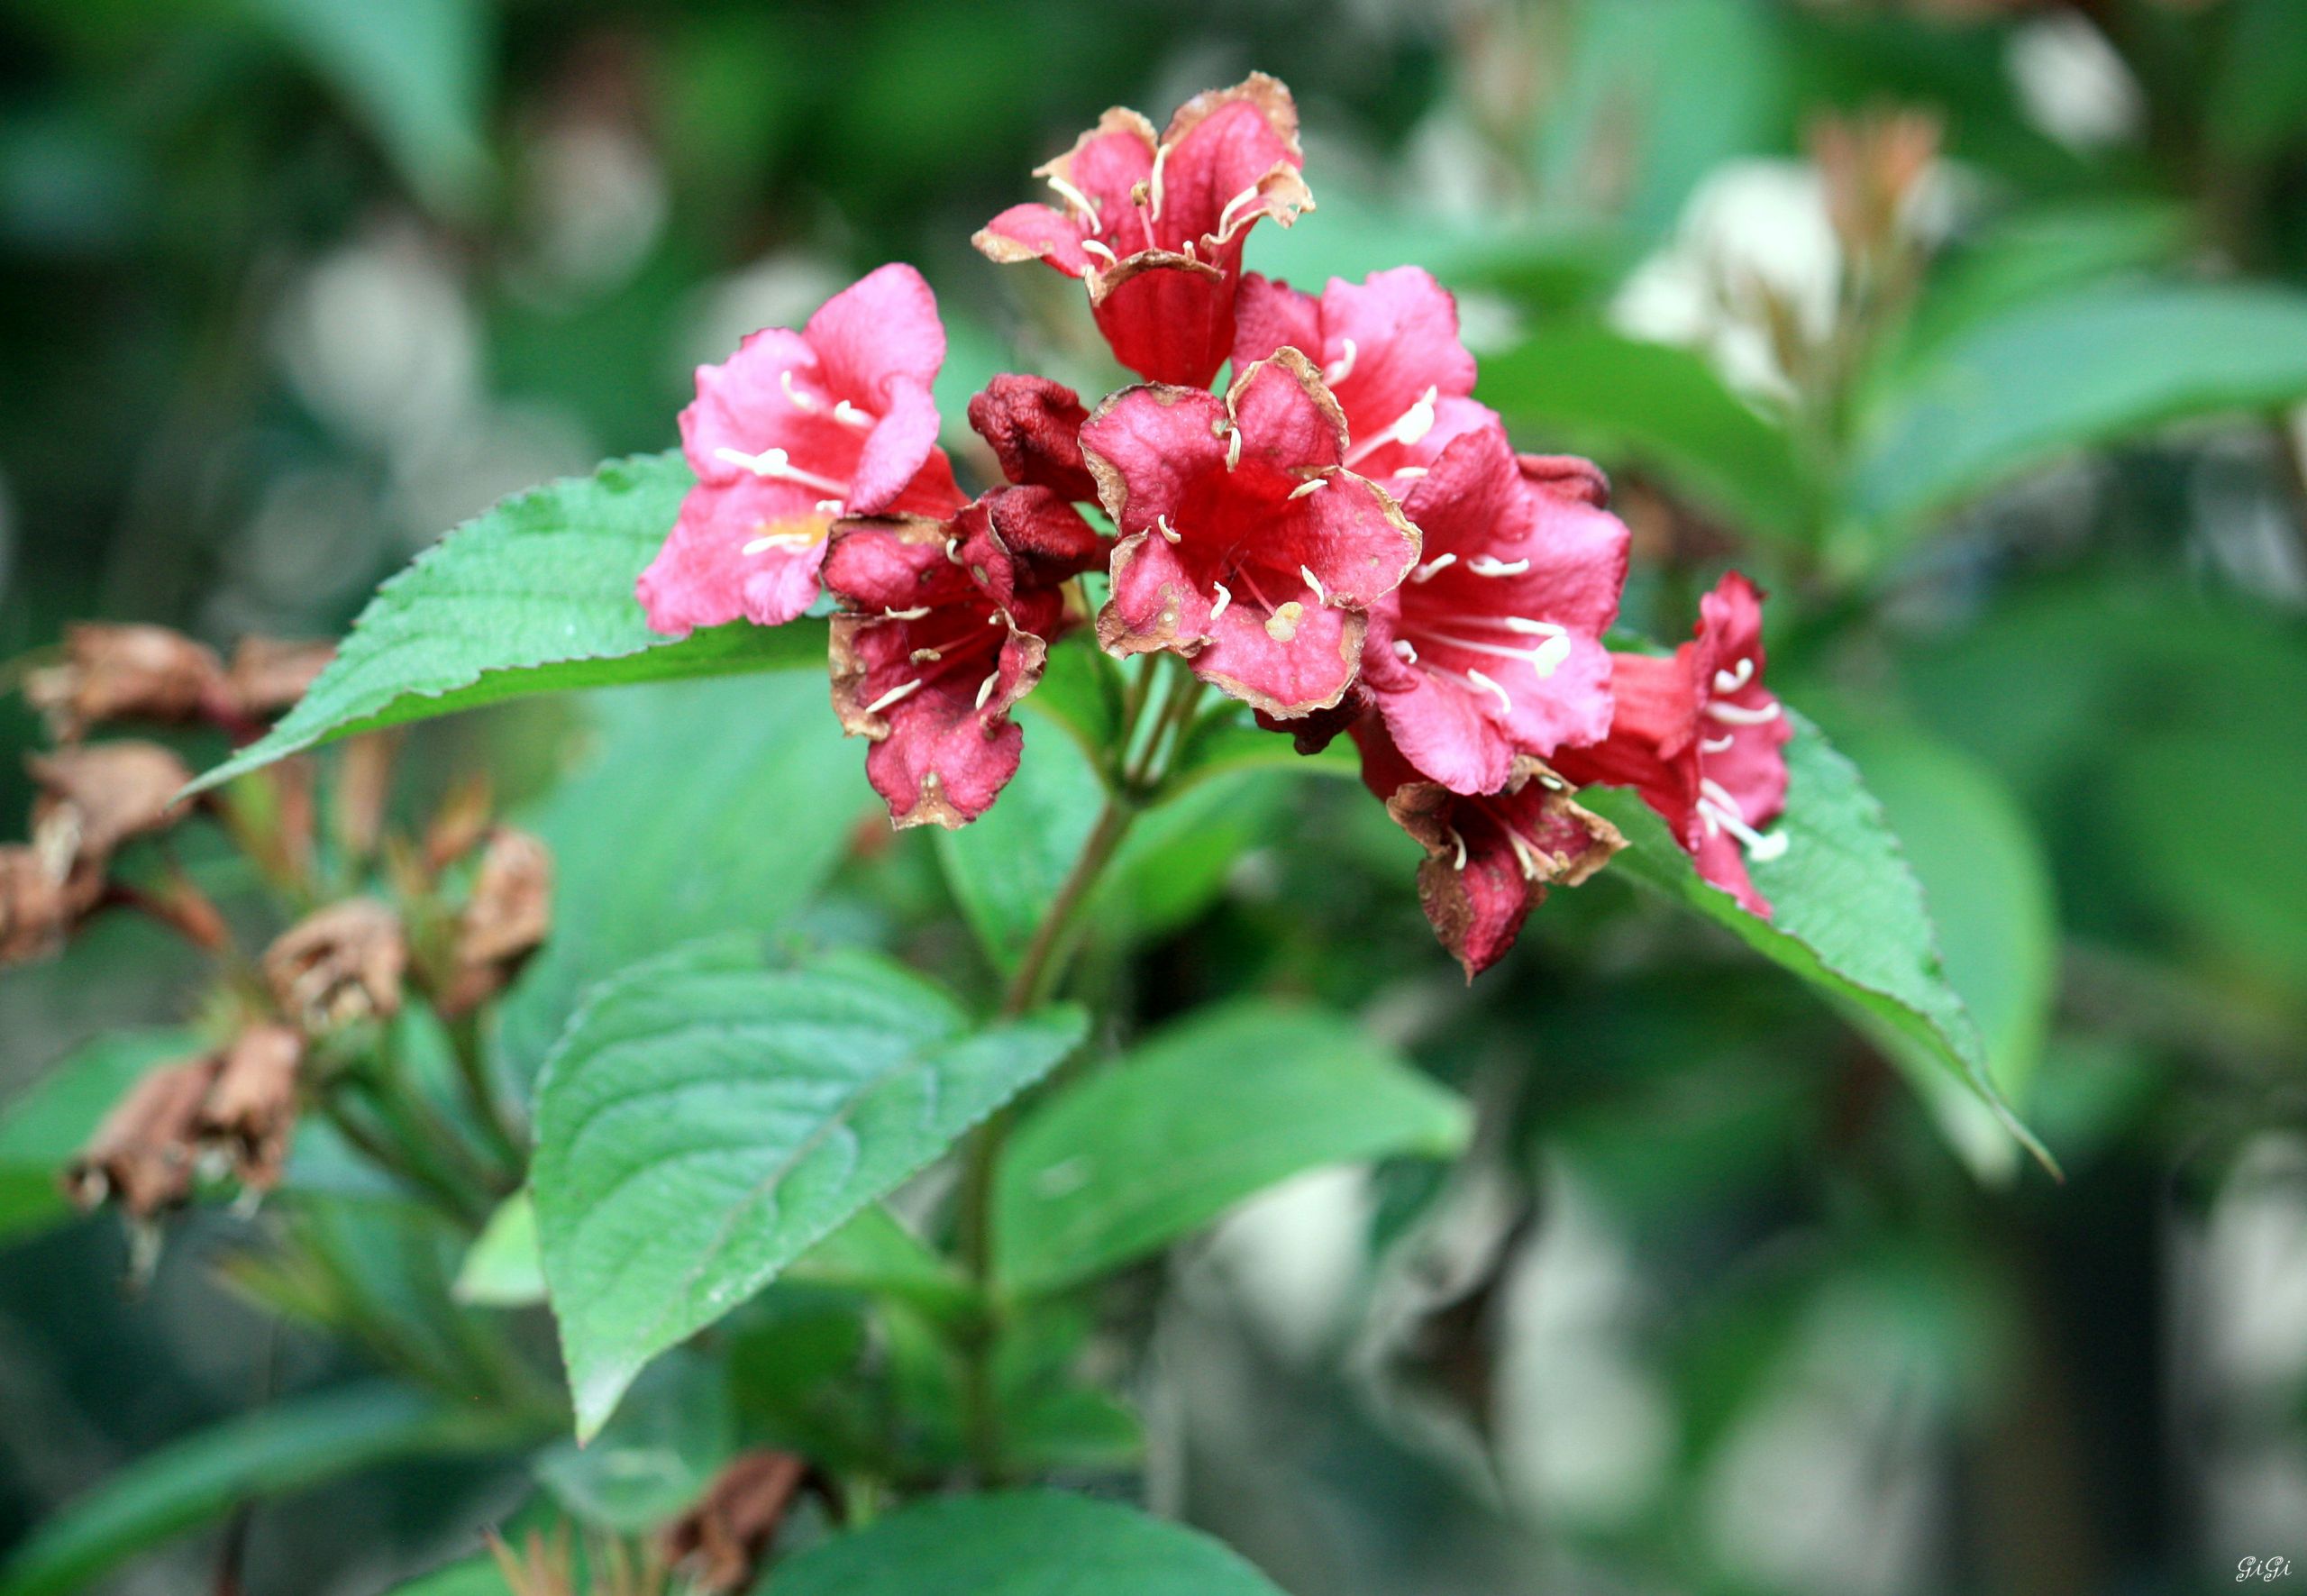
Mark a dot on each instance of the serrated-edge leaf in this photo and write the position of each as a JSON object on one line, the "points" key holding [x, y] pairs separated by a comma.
{"points": [[1934, 1015], [541, 546], [663, 997]]}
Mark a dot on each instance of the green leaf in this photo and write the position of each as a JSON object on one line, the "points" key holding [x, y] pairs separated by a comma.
{"points": [[1200, 1116], [1081, 691], [708, 807], [2067, 373], [703, 1123], [295, 1443], [875, 1255], [533, 597], [1007, 864], [503, 1268], [1848, 915], [1661, 408], [669, 1437], [44, 1125], [1025, 1542]]}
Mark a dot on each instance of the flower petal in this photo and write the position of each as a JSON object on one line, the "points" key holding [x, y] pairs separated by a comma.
{"points": [[704, 576], [1225, 144], [1034, 428], [1167, 317], [1403, 327], [899, 446], [1269, 315], [1149, 447], [1299, 657], [880, 331]]}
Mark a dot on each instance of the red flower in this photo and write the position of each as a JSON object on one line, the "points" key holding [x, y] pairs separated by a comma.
{"points": [[1700, 739], [1034, 428], [1493, 647], [793, 430], [945, 627], [1389, 350], [1491, 857], [1155, 227], [1245, 545]]}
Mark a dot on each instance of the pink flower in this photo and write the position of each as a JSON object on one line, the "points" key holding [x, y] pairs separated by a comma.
{"points": [[1389, 350], [1489, 857], [1697, 734], [794, 430], [944, 625], [1245, 545], [1493, 647], [1155, 227]]}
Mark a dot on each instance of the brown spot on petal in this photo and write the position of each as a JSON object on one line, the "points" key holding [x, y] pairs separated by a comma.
{"points": [[719, 1542], [116, 672], [252, 1109], [343, 964], [143, 1156]]}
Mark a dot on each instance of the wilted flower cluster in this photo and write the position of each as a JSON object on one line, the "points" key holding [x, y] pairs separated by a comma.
{"points": [[1341, 537]]}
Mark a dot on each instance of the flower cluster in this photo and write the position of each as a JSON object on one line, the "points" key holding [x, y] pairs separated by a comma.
{"points": [[1341, 537]]}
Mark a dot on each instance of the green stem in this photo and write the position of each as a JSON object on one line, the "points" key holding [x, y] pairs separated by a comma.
{"points": [[488, 1104]]}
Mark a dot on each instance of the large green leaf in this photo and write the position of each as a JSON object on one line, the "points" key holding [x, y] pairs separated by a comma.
{"points": [[533, 597], [2065, 372], [1195, 1119], [708, 807], [1661, 408], [1848, 915], [1026, 1542], [43, 1127], [295, 1443], [704, 1120]]}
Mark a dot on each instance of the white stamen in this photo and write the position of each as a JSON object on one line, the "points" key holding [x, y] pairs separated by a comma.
{"points": [[777, 463], [1460, 862], [1170, 534], [779, 539], [1529, 628], [1073, 196], [1547, 656], [1719, 809], [1433, 568], [1339, 369], [1736, 677], [1479, 681], [1545, 659], [1226, 217], [985, 688], [1404, 652], [1091, 246], [927, 656], [1717, 745], [1225, 598], [1187, 250], [894, 696], [801, 401], [1233, 447], [1303, 488], [849, 414], [1553, 783], [1411, 473], [829, 506], [1321, 594], [915, 614], [954, 550], [1489, 565], [1418, 420], [1732, 715], [1153, 184]]}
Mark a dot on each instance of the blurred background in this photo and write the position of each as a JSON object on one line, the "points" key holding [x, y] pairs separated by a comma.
{"points": [[1977, 331]]}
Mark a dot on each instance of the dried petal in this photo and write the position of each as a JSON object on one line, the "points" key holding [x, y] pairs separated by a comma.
{"points": [[719, 1542], [505, 920], [1034, 426], [252, 1109], [143, 1156], [270, 674], [342, 964], [118, 672], [35, 912]]}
